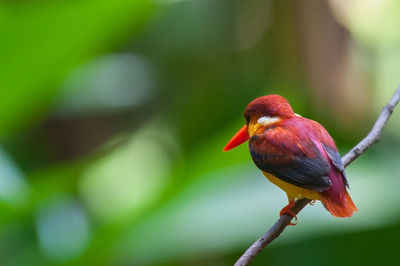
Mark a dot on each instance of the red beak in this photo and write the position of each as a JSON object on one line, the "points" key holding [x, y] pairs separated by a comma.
{"points": [[241, 136]]}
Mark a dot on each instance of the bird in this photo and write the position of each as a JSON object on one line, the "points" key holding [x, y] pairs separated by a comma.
{"points": [[296, 154]]}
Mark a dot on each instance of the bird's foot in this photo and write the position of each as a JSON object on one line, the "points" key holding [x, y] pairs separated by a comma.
{"points": [[288, 210], [312, 202]]}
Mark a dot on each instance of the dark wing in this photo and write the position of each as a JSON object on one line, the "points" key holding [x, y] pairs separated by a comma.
{"points": [[292, 158], [336, 159]]}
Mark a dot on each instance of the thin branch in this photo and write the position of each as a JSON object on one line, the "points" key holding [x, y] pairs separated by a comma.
{"points": [[375, 133], [280, 225]]}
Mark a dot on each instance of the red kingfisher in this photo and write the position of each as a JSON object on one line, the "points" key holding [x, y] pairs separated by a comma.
{"points": [[296, 154]]}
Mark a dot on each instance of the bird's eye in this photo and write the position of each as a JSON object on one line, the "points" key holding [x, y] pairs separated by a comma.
{"points": [[247, 117]]}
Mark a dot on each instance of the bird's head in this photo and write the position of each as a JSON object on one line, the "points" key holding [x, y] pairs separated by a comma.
{"points": [[261, 113]]}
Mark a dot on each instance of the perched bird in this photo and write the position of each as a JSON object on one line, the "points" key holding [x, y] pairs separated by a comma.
{"points": [[296, 154]]}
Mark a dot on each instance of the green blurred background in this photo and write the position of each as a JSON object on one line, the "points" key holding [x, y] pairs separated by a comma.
{"points": [[113, 116]]}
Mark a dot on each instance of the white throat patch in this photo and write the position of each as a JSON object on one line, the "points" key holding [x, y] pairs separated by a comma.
{"points": [[268, 120]]}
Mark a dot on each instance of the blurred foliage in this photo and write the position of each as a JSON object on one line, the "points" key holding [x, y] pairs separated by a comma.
{"points": [[113, 115]]}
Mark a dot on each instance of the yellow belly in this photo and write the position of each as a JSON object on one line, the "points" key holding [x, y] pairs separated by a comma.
{"points": [[292, 190]]}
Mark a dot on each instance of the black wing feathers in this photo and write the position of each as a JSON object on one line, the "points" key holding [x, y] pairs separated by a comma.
{"points": [[310, 173], [337, 162]]}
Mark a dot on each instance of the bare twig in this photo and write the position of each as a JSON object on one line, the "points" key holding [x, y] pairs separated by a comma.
{"points": [[354, 153], [375, 133]]}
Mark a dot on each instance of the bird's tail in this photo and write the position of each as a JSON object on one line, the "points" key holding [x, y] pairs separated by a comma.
{"points": [[345, 209]]}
